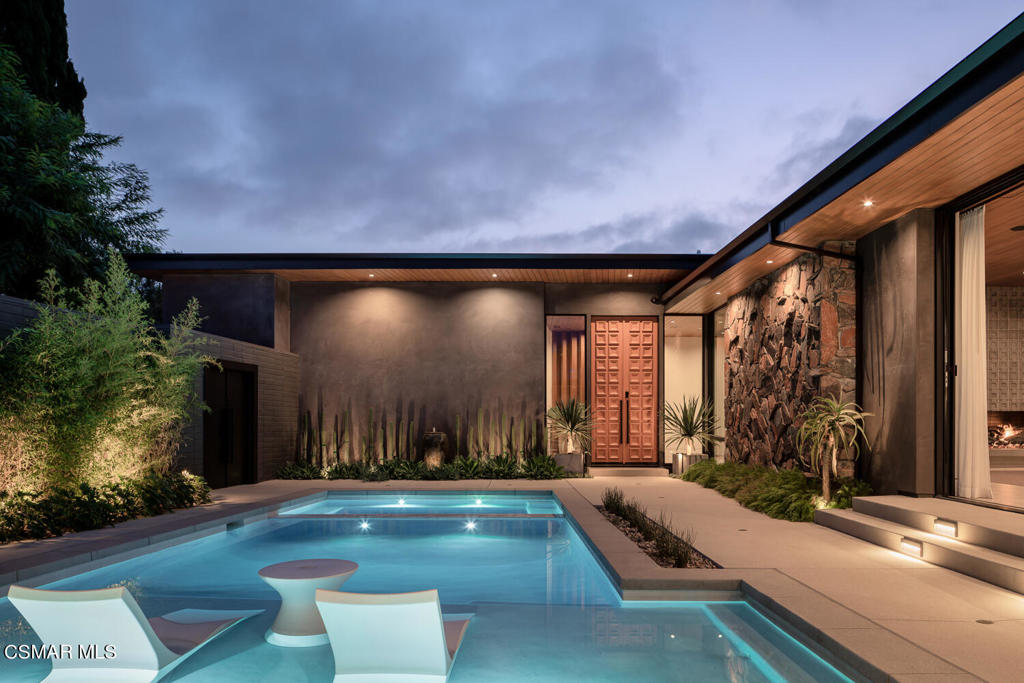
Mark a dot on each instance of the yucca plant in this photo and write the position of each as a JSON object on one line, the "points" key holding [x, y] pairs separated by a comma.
{"points": [[571, 420], [830, 427], [690, 423]]}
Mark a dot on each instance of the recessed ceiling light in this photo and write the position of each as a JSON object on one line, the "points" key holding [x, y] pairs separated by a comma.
{"points": [[769, 261], [494, 275], [629, 275], [371, 274], [717, 292], [868, 203]]}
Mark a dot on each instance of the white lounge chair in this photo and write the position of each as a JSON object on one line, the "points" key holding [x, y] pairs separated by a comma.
{"points": [[392, 638], [145, 650]]}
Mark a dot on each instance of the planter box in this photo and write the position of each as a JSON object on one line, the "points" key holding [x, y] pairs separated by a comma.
{"points": [[570, 462], [682, 462]]}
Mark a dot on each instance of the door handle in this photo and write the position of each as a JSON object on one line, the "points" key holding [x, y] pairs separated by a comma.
{"points": [[627, 417], [621, 417]]}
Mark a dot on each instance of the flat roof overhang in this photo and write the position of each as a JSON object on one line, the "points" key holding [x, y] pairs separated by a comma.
{"points": [[964, 130], [553, 268]]}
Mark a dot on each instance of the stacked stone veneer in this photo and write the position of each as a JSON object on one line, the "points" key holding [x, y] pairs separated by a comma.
{"points": [[1005, 323], [790, 336]]}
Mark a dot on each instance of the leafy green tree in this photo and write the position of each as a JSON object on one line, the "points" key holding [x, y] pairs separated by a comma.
{"points": [[37, 32], [61, 206]]}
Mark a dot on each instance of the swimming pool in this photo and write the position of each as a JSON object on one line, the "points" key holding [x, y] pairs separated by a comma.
{"points": [[544, 608]]}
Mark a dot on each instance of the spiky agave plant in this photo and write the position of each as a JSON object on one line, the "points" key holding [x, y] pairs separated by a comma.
{"points": [[692, 422], [830, 427], [572, 420]]}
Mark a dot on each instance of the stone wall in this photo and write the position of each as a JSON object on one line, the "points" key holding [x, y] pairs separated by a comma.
{"points": [[790, 337]]}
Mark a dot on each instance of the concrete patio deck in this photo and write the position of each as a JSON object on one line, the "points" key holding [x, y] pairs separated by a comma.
{"points": [[885, 615]]}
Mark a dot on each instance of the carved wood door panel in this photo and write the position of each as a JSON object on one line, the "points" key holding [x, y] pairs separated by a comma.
{"points": [[624, 390]]}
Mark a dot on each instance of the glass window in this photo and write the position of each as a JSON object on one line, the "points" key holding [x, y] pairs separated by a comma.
{"points": [[684, 376], [566, 360]]}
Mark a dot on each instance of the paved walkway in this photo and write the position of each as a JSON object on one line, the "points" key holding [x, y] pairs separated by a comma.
{"points": [[939, 610]]}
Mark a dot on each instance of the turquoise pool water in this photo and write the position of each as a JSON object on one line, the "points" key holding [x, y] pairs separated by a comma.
{"points": [[544, 608], [417, 503]]}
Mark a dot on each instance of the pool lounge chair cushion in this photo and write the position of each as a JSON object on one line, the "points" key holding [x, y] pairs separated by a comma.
{"points": [[146, 649], [397, 638]]}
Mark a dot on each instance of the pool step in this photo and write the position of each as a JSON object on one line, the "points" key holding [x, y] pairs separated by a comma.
{"points": [[1001, 569], [598, 471]]}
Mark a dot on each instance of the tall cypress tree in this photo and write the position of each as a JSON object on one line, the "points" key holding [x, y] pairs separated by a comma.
{"points": [[37, 32]]}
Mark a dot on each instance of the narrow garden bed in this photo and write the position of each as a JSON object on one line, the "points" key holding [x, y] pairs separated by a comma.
{"points": [[657, 538]]}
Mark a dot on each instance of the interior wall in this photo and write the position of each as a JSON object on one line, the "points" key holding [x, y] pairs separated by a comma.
{"points": [[898, 365], [1005, 347]]}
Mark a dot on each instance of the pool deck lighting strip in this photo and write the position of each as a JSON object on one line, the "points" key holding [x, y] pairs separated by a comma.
{"points": [[946, 527], [912, 546]]}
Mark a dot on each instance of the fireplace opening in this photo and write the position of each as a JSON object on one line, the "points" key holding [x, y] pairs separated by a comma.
{"points": [[1006, 429]]}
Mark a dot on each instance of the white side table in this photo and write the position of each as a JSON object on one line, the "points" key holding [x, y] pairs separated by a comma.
{"points": [[298, 623]]}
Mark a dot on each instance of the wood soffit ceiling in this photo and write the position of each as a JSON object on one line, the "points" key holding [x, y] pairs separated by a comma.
{"points": [[549, 275], [983, 143]]}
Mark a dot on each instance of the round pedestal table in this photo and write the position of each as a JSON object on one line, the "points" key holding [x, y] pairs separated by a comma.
{"points": [[298, 623]]}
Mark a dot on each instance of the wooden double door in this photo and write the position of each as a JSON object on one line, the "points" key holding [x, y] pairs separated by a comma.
{"points": [[624, 389]]}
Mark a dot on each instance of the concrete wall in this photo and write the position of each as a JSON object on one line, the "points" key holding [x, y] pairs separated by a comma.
{"points": [[247, 307], [897, 370], [277, 405]]}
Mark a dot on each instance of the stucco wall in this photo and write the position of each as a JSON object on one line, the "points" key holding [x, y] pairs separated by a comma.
{"points": [[789, 337], [239, 306], [897, 372], [420, 352]]}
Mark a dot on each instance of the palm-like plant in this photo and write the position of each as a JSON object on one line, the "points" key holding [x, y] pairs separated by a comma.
{"points": [[571, 420], [830, 427], [690, 423]]}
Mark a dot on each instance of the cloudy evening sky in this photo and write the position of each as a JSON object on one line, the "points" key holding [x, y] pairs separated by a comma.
{"points": [[590, 126]]}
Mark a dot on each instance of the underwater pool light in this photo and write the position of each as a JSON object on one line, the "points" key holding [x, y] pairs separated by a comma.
{"points": [[470, 525], [401, 501], [479, 501], [364, 525]]}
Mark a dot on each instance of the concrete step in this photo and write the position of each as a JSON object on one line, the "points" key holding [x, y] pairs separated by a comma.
{"points": [[997, 530], [599, 471], [1000, 569]]}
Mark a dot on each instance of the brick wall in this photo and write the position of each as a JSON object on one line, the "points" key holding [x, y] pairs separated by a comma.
{"points": [[277, 404]]}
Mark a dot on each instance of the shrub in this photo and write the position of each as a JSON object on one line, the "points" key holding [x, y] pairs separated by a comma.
{"points": [[91, 392], [542, 467], [500, 467], [782, 494], [26, 514], [294, 470]]}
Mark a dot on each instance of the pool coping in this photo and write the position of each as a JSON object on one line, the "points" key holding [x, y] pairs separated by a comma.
{"points": [[858, 646]]}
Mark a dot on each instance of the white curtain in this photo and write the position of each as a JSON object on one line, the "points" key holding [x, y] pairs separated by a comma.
{"points": [[973, 479]]}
